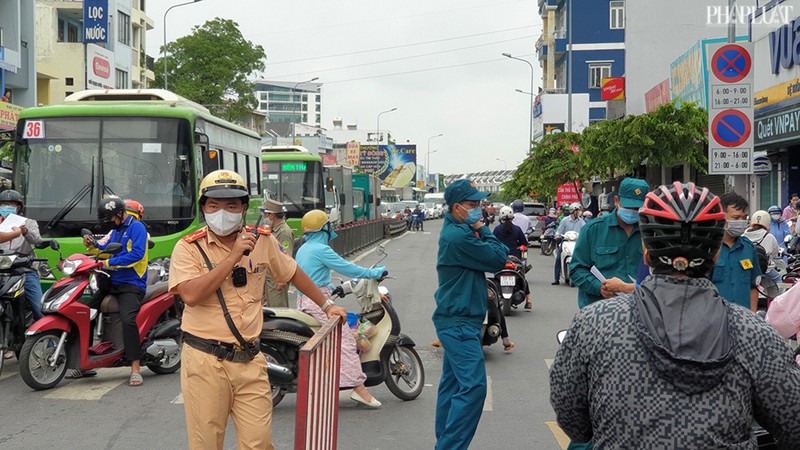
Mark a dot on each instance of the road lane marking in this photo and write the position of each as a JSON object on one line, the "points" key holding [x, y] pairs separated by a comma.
{"points": [[92, 388], [561, 438], [178, 400], [549, 363], [487, 403], [7, 374]]}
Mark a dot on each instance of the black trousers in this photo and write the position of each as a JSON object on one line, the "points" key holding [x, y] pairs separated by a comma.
{"points": [[129, 298]]}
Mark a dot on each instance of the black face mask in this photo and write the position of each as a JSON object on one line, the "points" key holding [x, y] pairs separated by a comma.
{"points": [[108, 225]]}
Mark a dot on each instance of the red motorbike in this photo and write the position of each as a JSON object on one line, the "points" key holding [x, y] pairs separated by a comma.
{"points": [[73, 336]]}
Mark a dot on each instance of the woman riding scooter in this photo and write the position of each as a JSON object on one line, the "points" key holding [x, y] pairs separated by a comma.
{"points": [[512, 236], [316, 258]]}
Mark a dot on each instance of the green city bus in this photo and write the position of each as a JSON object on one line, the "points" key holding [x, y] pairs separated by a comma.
{"points": [[293, 175], [147, 145]]}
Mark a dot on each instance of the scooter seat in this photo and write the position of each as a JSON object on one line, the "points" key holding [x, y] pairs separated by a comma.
{"points": [[290, 313], [288, 325], [110, 304]]}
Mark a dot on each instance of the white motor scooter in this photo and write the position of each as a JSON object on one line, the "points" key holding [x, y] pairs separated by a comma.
{"points": [[567, 248]]}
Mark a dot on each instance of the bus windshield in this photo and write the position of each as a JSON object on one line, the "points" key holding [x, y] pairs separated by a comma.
{"points": [[81, 159], [298, 184]]}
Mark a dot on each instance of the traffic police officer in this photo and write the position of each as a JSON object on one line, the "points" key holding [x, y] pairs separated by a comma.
{"points": [[223, 373]]}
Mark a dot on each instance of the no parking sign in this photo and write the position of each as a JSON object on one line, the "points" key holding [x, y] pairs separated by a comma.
{"points": [[730, 109]]}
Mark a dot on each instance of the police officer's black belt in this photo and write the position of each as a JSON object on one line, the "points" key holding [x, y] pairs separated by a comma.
{"points": [[222, 350], [248, 347]]}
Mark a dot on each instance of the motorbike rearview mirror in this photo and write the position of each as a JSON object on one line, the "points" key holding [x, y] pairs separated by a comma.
{"points": [[788, 239], [561, 335], [54, 245], [150, 244], [85, 232], [42, 245], [381, 250], [113, 248]]}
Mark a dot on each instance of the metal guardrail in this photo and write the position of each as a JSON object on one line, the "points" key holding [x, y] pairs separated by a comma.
{"points": [[358, 235], [395, 227], [317, 413]]}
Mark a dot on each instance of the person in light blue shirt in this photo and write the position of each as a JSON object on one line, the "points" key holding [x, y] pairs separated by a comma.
{"points": [[778, 227], [572, 222], [316, 258]]}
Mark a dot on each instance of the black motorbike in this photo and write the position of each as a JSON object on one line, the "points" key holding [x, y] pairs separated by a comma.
{"points": [[512, 283], [548, 239], [490, 330], [15, 312]]}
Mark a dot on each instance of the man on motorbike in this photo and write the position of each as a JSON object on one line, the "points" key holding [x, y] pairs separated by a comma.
{"points": [[219, 273], [420, 217], [467, 250], [550, 217], [520, 219], [22, 240], [407, 215], [759, 234], [778, 228], [573, 222], [128, 280], [674, 365], [317, 258], [511, 235]]}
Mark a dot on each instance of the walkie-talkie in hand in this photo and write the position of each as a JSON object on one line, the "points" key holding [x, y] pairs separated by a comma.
{"points": [[254, 231]]}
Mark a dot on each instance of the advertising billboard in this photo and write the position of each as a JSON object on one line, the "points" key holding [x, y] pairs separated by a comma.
{"points": [[657, 96], [613, 88], [99, 67], [353, 153], [395, 165], [687, 76], [95, 21]]}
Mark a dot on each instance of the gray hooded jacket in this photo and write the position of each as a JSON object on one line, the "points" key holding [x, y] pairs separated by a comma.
{"points": [[674, 366]]}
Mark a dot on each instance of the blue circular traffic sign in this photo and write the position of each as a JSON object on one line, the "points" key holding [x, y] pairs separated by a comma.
{"points": [[731, 63], [731, 128]]}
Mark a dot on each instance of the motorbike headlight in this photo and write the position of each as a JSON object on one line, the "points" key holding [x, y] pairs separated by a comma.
{"points": [[6, 262], [52, 304], [19, 287], [69, 266]]}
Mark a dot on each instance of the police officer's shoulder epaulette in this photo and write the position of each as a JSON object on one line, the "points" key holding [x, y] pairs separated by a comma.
{"points": [[262, 229], [191, 237]]}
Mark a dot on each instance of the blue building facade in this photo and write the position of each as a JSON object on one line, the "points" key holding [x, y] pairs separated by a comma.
{"points": [[598, 38]]}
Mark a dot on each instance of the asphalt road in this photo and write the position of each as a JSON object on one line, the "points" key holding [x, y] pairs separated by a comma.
{"points": [[105, 413]]}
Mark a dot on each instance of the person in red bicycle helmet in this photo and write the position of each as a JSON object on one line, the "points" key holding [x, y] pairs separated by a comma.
{"points": [[674, 365], [135, 208]]}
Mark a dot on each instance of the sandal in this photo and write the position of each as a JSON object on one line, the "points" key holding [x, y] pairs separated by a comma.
{"points": [[528, 305], [136, 379], [509, 346], [8, 355]]}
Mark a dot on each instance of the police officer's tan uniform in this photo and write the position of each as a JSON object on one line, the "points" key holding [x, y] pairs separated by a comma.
{"points": [[280, 297], [214, 388]]}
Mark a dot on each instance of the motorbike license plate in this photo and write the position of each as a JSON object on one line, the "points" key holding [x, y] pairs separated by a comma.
{"points": [[508, 280]]}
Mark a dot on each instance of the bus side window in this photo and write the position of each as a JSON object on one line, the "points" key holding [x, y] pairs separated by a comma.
{"points": [[210, 159], [228, 161], [252, 173]]}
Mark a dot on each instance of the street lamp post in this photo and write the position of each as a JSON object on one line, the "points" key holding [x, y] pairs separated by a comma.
{"points": [[378, 133], [294, 109], [428, 157], [505, 167], [569, 67], [166, 55], [530, 115]]}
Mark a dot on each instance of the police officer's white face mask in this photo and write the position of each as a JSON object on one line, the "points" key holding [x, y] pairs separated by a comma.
{"points": [[224, 223]]}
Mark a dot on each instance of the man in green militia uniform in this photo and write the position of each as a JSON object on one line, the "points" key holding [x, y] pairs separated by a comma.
{"points": [[278, 293]]}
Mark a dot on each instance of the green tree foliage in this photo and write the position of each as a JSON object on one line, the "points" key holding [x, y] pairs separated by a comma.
{"points": [[673, 134], [211, 66], [555, 160]]}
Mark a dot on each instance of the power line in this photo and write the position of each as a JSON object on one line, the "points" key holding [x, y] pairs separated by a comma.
{"points": [[386, 19], [404, 57], [396, 46], [420, 70]]}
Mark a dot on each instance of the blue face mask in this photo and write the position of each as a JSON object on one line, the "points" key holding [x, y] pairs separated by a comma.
{"points": [[629, 216], [475, 214], [6, 211]]}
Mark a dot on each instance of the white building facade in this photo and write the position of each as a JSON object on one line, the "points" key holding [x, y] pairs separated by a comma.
{"points": [[296, 103]]}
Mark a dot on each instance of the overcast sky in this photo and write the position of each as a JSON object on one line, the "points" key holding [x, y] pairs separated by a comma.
{"points": [[471, 98]]}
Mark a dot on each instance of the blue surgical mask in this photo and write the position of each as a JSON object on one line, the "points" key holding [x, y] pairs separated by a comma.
{"points": [[6, 211], [475, 214], [629, 216]]}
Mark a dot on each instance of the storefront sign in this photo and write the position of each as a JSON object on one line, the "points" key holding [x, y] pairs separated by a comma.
{"points": [[396, 165], [9, 113], [612, 88], [777, 127], [99, 67], [778, 96], [566, 194], [657, 96], [95, 20], [353, 152]]}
